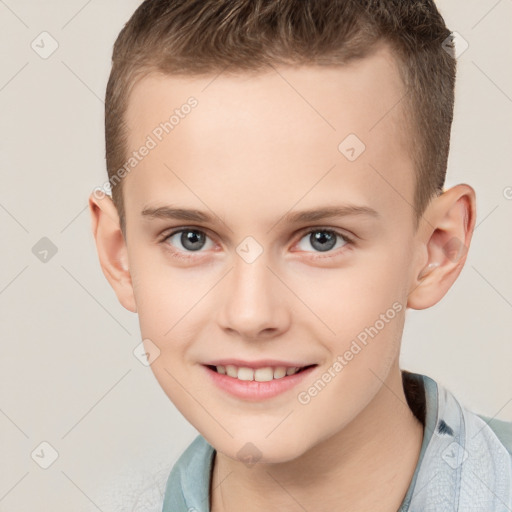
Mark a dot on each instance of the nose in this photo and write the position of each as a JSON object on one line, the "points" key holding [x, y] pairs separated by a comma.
{"points": [[254, 302]]}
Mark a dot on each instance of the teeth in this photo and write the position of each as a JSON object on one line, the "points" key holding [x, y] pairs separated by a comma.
{"points": [[231, 371], [259, 374], [262, 374], [245, 373], [279, 372]]}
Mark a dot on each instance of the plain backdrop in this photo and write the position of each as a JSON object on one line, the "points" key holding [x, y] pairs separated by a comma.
{"points": [[68, 376]]}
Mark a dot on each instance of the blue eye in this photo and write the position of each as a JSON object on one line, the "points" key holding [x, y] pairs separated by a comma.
{"points": [[323, 240], [193, 240]]}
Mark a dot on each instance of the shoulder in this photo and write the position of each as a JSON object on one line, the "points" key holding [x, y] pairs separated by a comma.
{"points": [[145, 489], [189, 480], [502, 429]]}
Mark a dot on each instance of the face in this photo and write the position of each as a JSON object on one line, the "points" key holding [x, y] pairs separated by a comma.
{"points": [[262, 234]]}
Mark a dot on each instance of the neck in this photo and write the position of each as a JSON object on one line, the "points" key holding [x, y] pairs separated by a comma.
{"points": [[378, 450]]}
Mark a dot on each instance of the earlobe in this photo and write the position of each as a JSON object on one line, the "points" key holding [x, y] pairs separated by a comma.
{"points": [[111, 247], [448, 234]]}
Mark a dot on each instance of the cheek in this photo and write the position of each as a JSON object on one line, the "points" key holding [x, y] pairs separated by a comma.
{"points": [[346, 300], [362, 313], [164, 294]]}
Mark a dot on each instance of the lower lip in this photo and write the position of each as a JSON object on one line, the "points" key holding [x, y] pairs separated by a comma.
{"points": [[253, 390]]}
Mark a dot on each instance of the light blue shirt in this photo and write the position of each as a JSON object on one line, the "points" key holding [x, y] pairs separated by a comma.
{"points": [[465, 463]]}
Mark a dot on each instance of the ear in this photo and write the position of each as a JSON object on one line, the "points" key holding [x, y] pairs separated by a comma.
{"points": [[111, 246], [446, 237]]}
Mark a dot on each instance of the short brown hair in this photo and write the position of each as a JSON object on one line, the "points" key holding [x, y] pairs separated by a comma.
{"points": [[192, 37]]}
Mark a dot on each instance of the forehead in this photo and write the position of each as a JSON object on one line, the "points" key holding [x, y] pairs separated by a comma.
{"points": [[290, 133]]}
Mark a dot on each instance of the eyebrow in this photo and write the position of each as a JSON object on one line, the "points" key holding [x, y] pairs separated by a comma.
{"points": [[316, 214]]}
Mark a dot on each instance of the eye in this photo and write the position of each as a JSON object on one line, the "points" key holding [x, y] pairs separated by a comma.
{"points": [[323, 240], [192, 240]]}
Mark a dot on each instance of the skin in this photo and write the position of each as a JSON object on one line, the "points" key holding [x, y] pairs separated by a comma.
{"points": [[254, 149]]}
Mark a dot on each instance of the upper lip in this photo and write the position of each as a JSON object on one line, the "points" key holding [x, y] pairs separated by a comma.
{"points": [[260, 363]]}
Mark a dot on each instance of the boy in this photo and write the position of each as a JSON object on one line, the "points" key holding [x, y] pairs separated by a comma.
{"points": [[277, 172]]}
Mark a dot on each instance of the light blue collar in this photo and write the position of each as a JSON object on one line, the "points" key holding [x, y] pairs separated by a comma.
{"points": [[463, 465]]}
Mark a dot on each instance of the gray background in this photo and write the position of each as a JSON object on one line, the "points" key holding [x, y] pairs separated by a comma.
{"points": [[67, 372]]}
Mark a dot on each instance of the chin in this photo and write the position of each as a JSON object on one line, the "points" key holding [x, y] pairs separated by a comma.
{"points": [[257, 449]]}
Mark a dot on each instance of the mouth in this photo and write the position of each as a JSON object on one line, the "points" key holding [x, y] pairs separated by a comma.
{"points": [[259, 382]]}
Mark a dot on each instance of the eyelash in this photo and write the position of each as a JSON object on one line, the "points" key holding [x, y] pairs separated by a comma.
{"points": [[179, 254]]}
